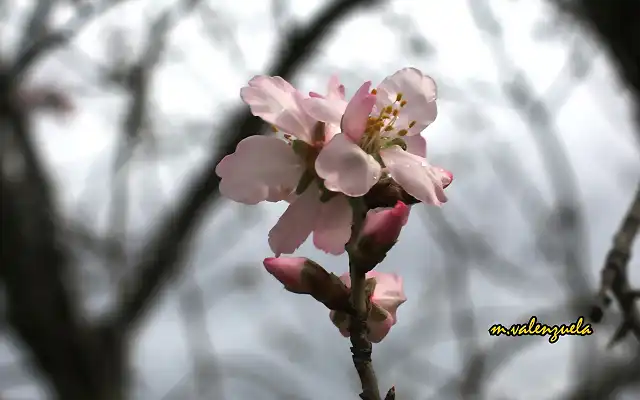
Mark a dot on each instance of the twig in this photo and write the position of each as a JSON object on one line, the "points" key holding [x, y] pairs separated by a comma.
{"points": [[615, 278], [43, 44], [360, 345]]}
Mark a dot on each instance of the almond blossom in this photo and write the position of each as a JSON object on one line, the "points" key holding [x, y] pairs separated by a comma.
{"points": [[387, 296], [380, 138], [272, 168]]}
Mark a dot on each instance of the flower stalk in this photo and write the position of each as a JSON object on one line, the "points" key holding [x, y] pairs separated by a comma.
{"points": [[360, 346]]}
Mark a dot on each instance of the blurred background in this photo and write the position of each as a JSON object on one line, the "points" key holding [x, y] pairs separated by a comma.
{"points": [[125, 275]]}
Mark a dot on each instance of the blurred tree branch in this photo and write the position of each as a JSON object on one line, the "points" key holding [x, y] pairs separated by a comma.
{"points": [[615, 23], [615, 277], [39, 41], [40, 305], [82, 359]]}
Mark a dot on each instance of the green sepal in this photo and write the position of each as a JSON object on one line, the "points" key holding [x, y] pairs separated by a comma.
{"points": [[305, 180], [301, 148]]}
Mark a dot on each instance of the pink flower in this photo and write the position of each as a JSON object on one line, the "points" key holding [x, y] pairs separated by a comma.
{"points": [[267, 167], [387, 296], [330, 223], [383, 226], [288, 270], [383, 124]]}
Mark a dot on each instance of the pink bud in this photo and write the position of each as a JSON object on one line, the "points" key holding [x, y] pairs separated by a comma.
{"points": [[446, 178], [288, 270], [387, 296], [383, 226]]}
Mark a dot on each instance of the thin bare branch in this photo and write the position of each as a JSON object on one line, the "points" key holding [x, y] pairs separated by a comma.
{"points": [[615, 277]]}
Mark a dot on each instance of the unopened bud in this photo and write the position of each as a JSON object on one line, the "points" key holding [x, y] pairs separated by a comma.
{"points": [[387, 296], [382, 227], [303, 276], [288, 270], [446, 177]]}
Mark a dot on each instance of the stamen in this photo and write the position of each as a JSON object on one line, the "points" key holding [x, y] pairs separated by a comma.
{"points": [[402, 132], [403, 103], [374, 91], [274, 128], [412, 124], [399, 97]]}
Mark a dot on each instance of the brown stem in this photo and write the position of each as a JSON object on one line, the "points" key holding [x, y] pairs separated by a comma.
{"points": [[615, 277], [360, 345]]}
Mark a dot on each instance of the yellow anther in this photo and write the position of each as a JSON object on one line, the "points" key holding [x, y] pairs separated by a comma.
{"points": [[374, 91], [399, 97], [274, 128], [411, 124], [403, 103], [388, 109], [395, 113], [388, 128], [402, 132]]}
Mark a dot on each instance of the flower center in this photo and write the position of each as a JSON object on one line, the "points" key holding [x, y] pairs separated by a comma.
{"points": [[382, 129]]}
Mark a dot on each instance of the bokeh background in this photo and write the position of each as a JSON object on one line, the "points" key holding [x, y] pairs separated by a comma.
{"points": [[128, 104]]}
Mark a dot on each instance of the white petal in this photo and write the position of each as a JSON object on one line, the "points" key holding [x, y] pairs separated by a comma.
{"points": [[414, 174], [296, 223], [346, 168], [277, 102], [417, 145], [333, 225], [420, 92], [325, 110], [259, 169]]}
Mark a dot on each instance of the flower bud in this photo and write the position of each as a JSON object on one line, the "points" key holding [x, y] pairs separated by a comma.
{"points": [[387, 296], [303, 276], [383, 226], [446, 177], [288, 270]]}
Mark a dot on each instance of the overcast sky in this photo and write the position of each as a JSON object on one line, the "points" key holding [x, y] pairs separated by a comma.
{"points": [[200, 76]]}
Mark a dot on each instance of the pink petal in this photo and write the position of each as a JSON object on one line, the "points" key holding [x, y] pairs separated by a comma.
{"points": [[314, 94], [288, 270], [357, 112], [261, 168], [296, 224], [383, 226], [335, 90], [389, 291], [277, 102], [420, 92], [346, 168], [388, 296], [446, 177], [325, 110], [343, 326], [333, 225], [417, 145], [379, 330], [414, 174]]}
